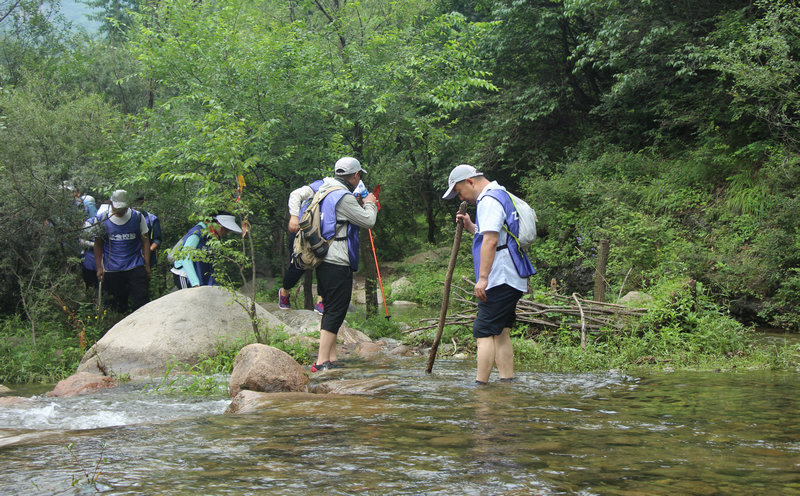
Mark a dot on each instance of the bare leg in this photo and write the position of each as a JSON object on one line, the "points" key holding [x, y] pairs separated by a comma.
{"points": [[504, 354], [486, 357], [327, 346]]}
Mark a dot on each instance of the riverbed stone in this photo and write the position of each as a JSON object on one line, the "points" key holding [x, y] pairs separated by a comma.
{"points": [[4, 389], [401, 350], [635, 299], [349, 336], [262, 368], [247, 401], [401, 286], [181, 327], [288, 405], [368, 350], [15, 402], [360, 296], [82, 383], [372, 385]]}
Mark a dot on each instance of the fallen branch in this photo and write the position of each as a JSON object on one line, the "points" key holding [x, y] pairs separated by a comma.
{"points": [[588, 315]]}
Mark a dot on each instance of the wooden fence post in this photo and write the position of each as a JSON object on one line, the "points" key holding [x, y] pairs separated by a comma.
{"points": [[600, 271]]}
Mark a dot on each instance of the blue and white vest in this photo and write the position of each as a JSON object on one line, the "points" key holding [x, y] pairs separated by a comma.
{"points": [[151, 219], [328, 225], [88, 260], [122, 245], [203, 269], [521, 262]]}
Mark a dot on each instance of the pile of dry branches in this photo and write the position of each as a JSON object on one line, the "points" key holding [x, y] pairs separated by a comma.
{"points": [[571, 311]]}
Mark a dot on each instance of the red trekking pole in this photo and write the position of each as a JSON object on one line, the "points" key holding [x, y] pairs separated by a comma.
{"points": [[375, 192]]}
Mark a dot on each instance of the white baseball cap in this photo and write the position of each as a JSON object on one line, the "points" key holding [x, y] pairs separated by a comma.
{"points": [[458, 174], [228, 221], [346, 166], [119, 199]]}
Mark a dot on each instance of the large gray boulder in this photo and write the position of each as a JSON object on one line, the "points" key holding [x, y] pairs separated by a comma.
{"points": [[265, 369], [180, 327]]}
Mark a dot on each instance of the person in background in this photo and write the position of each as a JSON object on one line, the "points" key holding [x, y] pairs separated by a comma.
{"points": [[498, 285], [154, 226], [188, 273], [298, 201], [88, 263], [122, 254], [341, 217], [89, 205]]}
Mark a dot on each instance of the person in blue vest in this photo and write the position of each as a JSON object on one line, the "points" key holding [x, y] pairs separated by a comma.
{"points": [[122, 254], [298, 201], [154, 226], [189, 273], [501, 268], [89, 206], [341, 217], [88, 264]]}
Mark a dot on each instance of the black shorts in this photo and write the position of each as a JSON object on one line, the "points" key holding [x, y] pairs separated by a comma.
{"points": [[497, 312], [335, 285]]}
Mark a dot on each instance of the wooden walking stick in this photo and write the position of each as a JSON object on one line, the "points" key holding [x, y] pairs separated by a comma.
{"points": [[447, 280]]}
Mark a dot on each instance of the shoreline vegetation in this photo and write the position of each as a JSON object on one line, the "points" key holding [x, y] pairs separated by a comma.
{"points": [[677, 327]]}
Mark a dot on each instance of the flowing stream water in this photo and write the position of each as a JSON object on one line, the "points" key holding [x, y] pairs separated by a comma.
{"points": [[698, 433]]}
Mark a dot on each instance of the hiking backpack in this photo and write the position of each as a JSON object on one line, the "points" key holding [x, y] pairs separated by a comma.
{"points": [[526, 217], [310, 247]]}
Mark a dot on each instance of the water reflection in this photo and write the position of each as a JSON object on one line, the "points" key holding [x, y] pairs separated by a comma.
{"points": [[682, 433]]}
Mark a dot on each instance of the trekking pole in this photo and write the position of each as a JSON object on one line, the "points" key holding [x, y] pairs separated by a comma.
{"points": [[99, 295], [447, 280], [380, 281]]}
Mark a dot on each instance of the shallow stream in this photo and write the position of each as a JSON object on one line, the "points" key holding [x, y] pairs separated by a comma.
{"points": [[667, 433]]}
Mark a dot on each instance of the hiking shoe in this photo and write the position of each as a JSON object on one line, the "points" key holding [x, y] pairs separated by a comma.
{"points": [[335, 365], [283, 301], [320, 367], [506, 379], [319, 308]]}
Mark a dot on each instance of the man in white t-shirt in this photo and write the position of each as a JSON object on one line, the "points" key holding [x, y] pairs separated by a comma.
{"points": [[498, 285]]}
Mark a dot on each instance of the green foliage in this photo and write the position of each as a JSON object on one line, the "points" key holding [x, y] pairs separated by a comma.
{"points": [[760, 57], [91, 472], [301, 352], [377, 327], [55, 355], [427, 272]]}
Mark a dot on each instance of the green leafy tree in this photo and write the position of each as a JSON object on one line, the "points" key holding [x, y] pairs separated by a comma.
{"points": [[758, 58], [49, 145]]}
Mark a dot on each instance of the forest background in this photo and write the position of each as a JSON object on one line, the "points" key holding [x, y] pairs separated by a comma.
{"points": [[669, 128]]}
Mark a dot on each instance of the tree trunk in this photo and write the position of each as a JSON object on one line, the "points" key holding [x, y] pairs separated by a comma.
{"points": [[600, 271], [430, 217]]}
